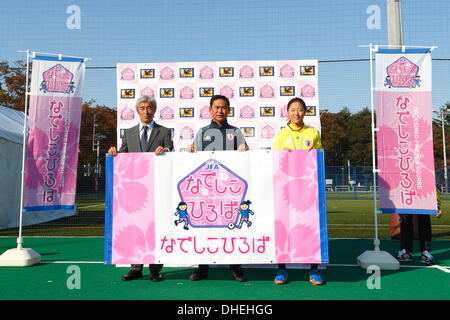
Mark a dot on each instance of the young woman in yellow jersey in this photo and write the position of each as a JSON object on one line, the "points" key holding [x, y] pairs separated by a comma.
{"points": [[297, 135]]}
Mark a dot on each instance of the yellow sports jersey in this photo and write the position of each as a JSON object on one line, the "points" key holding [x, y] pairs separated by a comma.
{"points": [[304, 138]]}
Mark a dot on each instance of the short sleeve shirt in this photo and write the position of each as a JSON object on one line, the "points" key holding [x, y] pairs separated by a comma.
{"points": [[305, 138]]}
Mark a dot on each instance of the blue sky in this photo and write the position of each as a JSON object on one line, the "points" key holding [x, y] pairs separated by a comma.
{"points": [[207, 30]]}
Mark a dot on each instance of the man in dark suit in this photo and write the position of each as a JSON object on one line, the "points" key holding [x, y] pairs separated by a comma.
{"points": [[147, 136]]}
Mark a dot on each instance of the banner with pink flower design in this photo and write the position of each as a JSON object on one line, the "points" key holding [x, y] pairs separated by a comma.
{"points": [[53, 137], [405, 138], [225, 207]]}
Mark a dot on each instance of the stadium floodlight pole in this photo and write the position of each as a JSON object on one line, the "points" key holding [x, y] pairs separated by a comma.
{"points": [[395, 41], [394, 23], [22, 257]]}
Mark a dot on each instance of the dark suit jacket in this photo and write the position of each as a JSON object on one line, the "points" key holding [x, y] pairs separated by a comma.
{"points": [[160, 136]]}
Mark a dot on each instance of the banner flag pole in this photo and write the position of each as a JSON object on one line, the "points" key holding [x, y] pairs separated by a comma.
{"points": [[23, 257], [383, 259]]}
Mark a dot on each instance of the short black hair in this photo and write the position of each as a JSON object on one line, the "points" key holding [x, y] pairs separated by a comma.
{"points": [[297, 99], [217, 97]]}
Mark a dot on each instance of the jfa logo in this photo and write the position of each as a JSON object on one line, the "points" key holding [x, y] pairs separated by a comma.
{"points": [[246, 91], [267, 111], [206, 92], [211, 166], [266, 71], [127, 93], [310, 111], [287, 91], [166, 93], [226, 72], [186, 72], [186, 112], [147, 73], [307, 70]]}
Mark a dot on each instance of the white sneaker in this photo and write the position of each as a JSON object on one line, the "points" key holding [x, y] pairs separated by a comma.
{"points": [[427, 258], [404, 256]]}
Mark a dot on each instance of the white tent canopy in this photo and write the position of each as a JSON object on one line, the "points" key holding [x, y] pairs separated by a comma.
{"points": [[11, 128], [11, 148]]}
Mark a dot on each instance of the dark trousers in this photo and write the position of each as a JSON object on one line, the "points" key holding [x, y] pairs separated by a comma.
{"points": [[153, 267], [314, 266], [407, 232]]}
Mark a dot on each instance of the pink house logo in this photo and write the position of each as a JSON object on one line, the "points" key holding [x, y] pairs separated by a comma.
{"points": [[127, 74], [227, 92], [166, 114], [186, 93], [286, 71], [284, 112], [307, 91], [166, 74], [204, 113], [186, 133], [246, 72], [247, 112], [147, 92], [213, 194], [57, 79], [206, 73], [266, 92], [127, 114], [402, 74], [267, 132]]}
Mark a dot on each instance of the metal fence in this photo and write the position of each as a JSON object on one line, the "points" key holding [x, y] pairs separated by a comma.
{"points": [[342, 183]]}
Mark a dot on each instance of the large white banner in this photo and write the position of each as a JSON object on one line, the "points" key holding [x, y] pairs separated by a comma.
{"points": [[216, 207]]}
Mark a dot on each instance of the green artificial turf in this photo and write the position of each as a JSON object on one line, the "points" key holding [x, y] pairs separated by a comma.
{"points": [[49, 280]]}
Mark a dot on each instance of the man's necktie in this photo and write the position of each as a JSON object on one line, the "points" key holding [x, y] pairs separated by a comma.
{"points": [[144, 138]]}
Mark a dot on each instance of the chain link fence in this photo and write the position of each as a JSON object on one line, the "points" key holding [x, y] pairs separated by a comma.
{"points": [[344, 181]]}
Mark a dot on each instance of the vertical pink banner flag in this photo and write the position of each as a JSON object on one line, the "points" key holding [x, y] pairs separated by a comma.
{"points": [[405, 137], [53, 137]]}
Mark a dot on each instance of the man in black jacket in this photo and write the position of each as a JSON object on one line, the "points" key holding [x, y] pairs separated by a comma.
{"points": [[218, 136]]}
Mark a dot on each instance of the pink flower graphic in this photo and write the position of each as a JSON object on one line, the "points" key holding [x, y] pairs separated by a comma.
{"points": [[291, 164], [135, 247], [296, 245], [38, 159], [297, 194], [389, 158], [127, 172]]}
